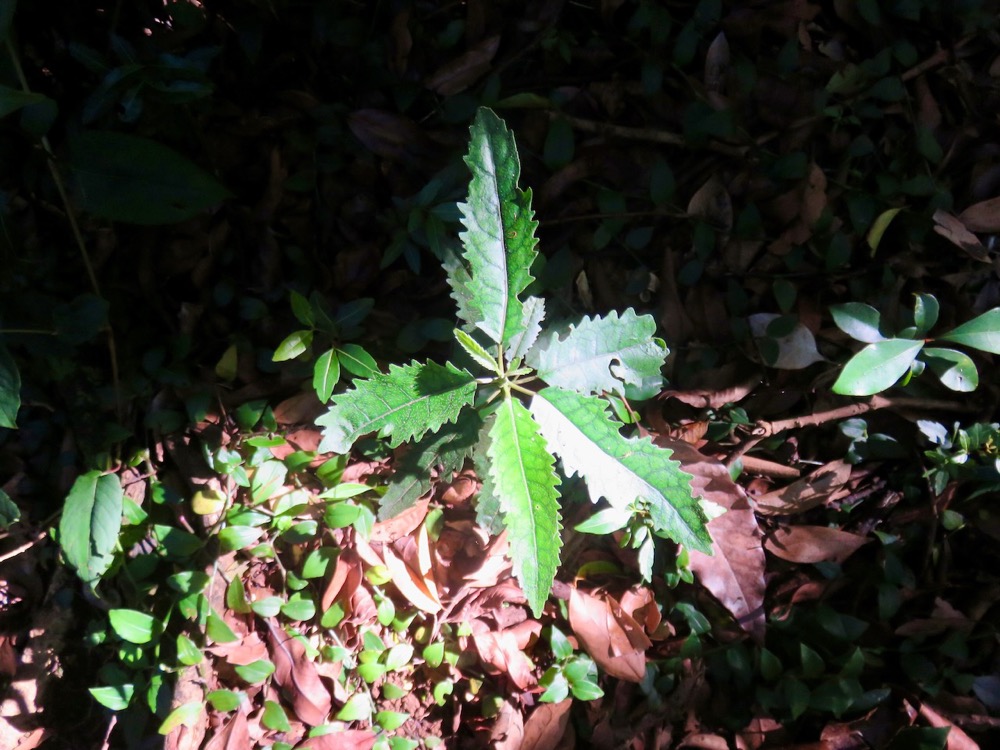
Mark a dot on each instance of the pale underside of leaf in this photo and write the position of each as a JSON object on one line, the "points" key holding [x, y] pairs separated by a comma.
{"points": [[579, 429], [488, 513], [523, 474], [600, 354], [499, 236], [521, 343], [403, 404]]}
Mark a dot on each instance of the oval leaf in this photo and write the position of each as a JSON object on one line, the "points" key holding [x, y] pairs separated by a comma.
{"points": [[91, 520], [955, 370], [859, 321], [133, 626], [982, 332], [877, 367], [10, 390], [326, 375], [139, 181]]}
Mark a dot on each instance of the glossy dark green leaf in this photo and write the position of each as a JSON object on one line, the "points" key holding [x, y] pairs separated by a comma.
{"points": [[982, 332], [10, 390], [877, 367]]}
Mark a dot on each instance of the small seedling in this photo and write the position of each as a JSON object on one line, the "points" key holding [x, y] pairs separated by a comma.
{"points": [[503, 418]]}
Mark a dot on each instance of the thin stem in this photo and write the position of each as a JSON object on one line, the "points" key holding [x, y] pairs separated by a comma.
{"points": [[74, 226]]}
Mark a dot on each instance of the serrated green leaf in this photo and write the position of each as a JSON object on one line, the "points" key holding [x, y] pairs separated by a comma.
{"points": [[521, 343], [954, 369], [326, 375], [579, 429], [600, 354], [91, 520], [859, 321], [488, 513], [446, 449], [404, 404], [474, 350], [982, 332], [10, 390], [877, 367], [523, 472], [499, 236]]}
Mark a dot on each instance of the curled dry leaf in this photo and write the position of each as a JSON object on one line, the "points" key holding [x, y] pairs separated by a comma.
{"points": [[414, 576], [611, 636], [458, 74], [981, 217], [234, 735], [508, 731], [813, 544], [297, 676], [239, 653], [734, 573], [958, 234], [401, 525], [546, 726], [501, 651], [807, 493]]}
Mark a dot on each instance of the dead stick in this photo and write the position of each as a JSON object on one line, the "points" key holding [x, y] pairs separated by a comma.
{"points": [[763, 429]]}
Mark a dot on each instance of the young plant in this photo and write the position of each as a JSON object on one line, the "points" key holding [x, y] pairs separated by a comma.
{"points": [[503, 419], [887, 359]]}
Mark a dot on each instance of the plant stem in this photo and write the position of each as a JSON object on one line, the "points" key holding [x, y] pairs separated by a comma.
{"points": [[74, 227]]}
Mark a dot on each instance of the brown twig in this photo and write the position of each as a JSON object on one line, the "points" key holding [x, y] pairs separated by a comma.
{"points": [[763, 429], [646, 134], [74, 227]]}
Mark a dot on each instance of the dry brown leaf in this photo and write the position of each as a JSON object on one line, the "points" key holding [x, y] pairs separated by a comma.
{"points": [[958, 234], [297, 676], [508, 730], [982, 217], [458, 74], [349, 739], [546, 726], [411, 583], [807, 493], [240, 653], [390, 135], [234, 735], [734, 573], [712, 203], [302, 408], [501, 651], [813, 544], [957, 738], [399, 526], [611, 636]]}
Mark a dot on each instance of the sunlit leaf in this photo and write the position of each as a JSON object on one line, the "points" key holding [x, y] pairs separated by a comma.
{"points": [[401, 405], [859, 321], [579, 429], [499, 234], [524, 476], [982, 332], [954, 369], [91, 520], [600, 354], [326, 374], [877, 367], [133, 626]]}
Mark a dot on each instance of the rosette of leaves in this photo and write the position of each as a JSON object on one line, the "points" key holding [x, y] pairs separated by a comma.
{"points": [[538, 393], [888, 359]]}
